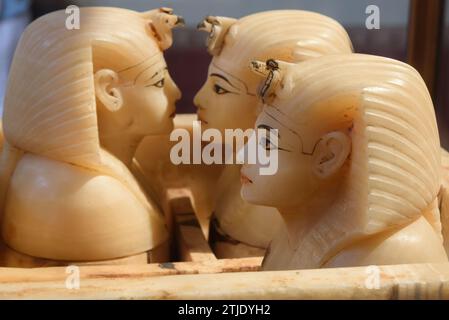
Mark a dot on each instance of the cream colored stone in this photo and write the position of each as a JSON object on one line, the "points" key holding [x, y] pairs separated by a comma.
{"points": [[229, 280], [228, 100], [359, 164], [78, 103]]}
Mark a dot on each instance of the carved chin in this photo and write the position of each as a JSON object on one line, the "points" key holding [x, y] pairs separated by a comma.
{"points": [[250, 195]]}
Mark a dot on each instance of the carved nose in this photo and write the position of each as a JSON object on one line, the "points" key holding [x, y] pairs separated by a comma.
{"points": [[200, 99]]}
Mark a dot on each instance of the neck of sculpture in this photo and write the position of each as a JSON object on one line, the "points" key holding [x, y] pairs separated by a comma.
{"points": [[120, 143], [122, 147], [301, 219], [324, 223]]}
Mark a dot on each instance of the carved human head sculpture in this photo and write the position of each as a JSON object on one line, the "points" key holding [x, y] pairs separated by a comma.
{"points": [[357, 135], [228, 98], [74, 98], [68, 88]]}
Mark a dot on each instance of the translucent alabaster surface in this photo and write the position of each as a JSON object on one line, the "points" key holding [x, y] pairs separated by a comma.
{"points": [[359, 173], [78, 104]]}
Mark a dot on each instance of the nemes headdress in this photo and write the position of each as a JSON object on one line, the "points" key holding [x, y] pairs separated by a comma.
{"points": [[289, 35], [396, 157], [50, 105]]}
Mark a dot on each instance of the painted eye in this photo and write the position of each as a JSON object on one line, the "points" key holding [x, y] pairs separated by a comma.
{"points": [[160, 83], [219, 90], [266, 144]]}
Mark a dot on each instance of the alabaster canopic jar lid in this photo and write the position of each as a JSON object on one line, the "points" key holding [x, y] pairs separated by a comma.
{"points": [[228, 97], [78, 102], [359, 163], [288, 35]]}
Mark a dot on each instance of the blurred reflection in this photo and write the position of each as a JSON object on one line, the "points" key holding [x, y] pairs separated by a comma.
{"points": [[442, 101], [14, 17]]}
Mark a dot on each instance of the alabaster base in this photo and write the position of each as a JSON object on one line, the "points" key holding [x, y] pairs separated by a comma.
{"points": [[10, 258], [228, 250], [227, 247]]}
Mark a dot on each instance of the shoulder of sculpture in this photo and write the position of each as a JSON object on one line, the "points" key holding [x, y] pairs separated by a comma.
{"points": [[414, 243], [82, 213], [50, 178]]}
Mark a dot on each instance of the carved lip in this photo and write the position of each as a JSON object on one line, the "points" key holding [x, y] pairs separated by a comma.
{"points": [[244, 179], [201, 119]]}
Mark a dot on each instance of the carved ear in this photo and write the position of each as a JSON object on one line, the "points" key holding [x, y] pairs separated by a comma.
{"points": [[106, 90], [160, 24], [330, 154], [217, 27]]}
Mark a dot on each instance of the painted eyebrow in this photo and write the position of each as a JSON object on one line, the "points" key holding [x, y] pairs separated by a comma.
{"points": [[264, 126], [140, 73], [156, 73], [224, 78], [143, 71], [131, 67]]}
